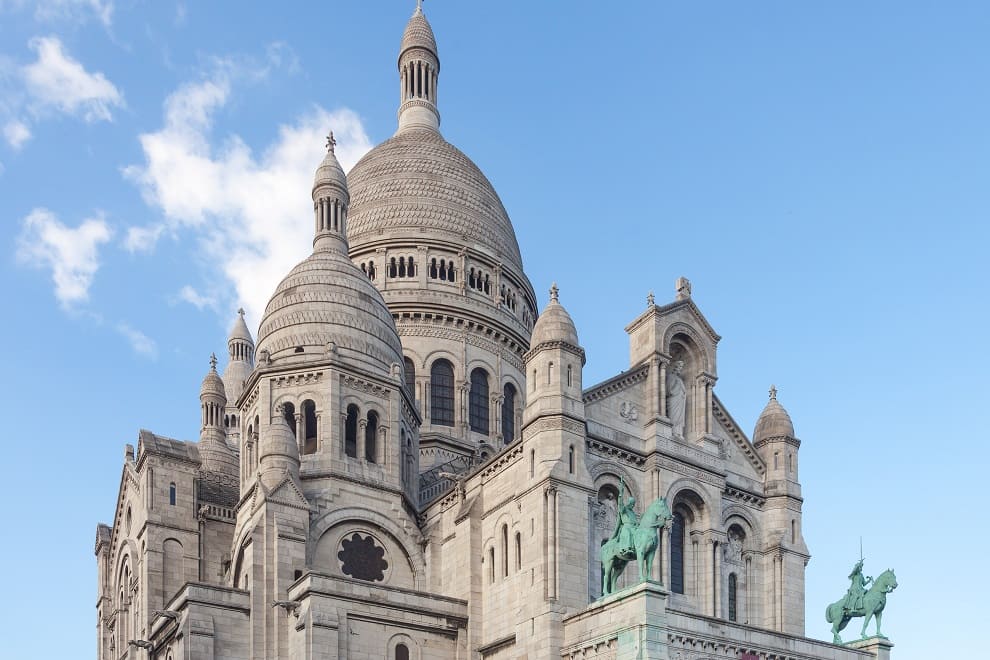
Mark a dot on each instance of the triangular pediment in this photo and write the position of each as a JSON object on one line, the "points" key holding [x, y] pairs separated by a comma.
{"points": [[688, 305], [739, 439]]}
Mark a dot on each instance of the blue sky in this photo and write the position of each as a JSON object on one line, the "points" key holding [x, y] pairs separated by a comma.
{"points": [[818, 170]]}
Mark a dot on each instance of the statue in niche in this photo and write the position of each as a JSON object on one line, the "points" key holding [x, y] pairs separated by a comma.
{"points": [[733, 549], [634, 539], [676, 398]]}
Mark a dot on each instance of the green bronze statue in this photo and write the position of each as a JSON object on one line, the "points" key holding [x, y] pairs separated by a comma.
{"points": [[860, 601], [634, 538]]}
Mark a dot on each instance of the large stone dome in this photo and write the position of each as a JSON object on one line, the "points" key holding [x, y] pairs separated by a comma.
{"points": [[327, 304], [417, 185]]}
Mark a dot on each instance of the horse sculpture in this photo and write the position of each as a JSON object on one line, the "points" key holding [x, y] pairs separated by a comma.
{"points": [[873, 602], [635, 542]]}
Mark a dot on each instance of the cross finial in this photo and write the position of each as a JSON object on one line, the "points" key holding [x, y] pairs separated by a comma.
{"points": [[650, 300], [773, 392], [554, 291], [213, 361], [331, 142], [240, 310], [419, 5]]}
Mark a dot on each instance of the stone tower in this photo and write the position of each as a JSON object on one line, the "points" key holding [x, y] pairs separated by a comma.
{"points": [[428, 230], [788, 555]]}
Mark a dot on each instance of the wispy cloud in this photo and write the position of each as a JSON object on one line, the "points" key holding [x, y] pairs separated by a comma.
{"points": [[74, 11], [58, 81], [70, 253], [16, 133], [142, 239], [140, 342], [195, 298], [250, 211]]}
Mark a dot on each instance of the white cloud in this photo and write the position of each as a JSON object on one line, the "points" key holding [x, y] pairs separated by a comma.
{"points": [[195, 298], [251, 212], [16, 133], [76, 11], [57, 81], [142, 239], [72, 254], [140, 342]]}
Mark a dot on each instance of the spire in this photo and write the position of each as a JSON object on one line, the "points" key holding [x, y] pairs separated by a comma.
{"points": [[330, 201], [554, 293], [419, 69], [240, 349]]}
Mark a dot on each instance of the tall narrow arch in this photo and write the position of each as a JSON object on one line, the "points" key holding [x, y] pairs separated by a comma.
{"points": [[371, 438], [442, 393], [410, 369], [733, 593], [350, 431], [289, 413], [478, 401], [677, 530], [309, 427], [508, 413]]}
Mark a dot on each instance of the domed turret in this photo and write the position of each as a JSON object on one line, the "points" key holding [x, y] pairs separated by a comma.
{"points": [[240, 348], [553, 364], [326, 305], [774, 422], [213, 450], [278, 452], [555, 325]]}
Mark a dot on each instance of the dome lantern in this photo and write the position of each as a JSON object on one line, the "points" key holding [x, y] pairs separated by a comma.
{"points": [[419, 70], [330, 202]]}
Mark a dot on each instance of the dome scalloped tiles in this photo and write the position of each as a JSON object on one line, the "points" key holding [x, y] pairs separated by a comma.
{"points": [[418, 183]]}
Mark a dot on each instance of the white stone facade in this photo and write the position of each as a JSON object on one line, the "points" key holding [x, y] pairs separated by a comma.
{"points": [[409, 466]]}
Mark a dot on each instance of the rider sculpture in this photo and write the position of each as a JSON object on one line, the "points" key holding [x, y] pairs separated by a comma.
{"points": [[857, 588], [862, 599], [634, 539]]}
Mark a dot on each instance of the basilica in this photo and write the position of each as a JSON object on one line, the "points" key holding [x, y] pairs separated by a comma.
{"points": [[404, 461]]}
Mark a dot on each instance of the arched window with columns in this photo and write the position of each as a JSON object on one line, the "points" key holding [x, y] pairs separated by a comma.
{"points": [[508, 413], [309, 426], [677, 553], [478, 401], [442, 393]]}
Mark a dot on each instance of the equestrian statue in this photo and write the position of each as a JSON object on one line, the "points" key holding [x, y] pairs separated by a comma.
{"points": [[634, 538], [860, 601]]}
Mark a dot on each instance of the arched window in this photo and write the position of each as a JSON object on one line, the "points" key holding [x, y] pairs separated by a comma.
{"points": [[289, 412], [732, 597], [401, 652], [402, 266], [508, 413], [411, 272], [171, 493], [371, 438], [550, 373], [491, 568], [442, 393], [569, 370], [518, 551], [433, 268], [505, 550], [350, 431], [309, 422], [371, 270], [532, 462], [677, 554], [410, 377], [478, 401], [570, 459], [392, 270]]}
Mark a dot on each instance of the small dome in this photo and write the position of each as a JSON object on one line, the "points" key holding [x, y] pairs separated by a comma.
{"points": [[330, 173], [418, 34], [212, 384], [774, 422], [554, 324], [327, 305], [278, 442]]}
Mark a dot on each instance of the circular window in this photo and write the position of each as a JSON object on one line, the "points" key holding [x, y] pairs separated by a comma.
{"points": [[127, 521], [363, 557]]}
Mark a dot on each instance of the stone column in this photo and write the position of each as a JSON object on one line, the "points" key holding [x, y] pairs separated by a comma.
{"points": [[717, 577], [343, 435], [362, 426], [663, 388], [664, 552], [300, 433]]}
